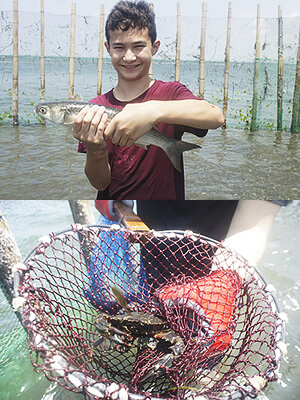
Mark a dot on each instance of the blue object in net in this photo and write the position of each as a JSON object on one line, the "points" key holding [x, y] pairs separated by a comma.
{"points": [[115, 262]]}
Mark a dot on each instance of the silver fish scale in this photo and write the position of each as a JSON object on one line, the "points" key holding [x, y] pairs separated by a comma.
{"points": [[76, 107]]}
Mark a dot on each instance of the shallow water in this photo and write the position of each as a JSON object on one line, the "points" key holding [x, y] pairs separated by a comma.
{"points": [[41, 162], [29, 220], [242, 165]]}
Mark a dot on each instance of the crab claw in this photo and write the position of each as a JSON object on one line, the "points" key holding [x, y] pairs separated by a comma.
{"points": [[171, 337], [116, 335], [164, 362], [98, 342], [119, 340], [147, 341], [95, 344]]}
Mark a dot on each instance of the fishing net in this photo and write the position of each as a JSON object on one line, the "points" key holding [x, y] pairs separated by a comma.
{"points": [[119, 314], [242, 58]]}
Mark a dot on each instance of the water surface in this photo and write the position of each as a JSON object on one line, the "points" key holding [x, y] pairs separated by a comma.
{"points": [[41, 162]]}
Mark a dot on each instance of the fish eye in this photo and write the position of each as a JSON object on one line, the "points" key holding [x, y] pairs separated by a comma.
{"points": [[43, 110]]}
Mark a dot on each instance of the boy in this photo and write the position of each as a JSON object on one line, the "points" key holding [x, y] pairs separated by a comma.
{"points": [[115, 167]]}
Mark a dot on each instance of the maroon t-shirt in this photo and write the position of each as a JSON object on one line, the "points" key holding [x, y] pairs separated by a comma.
{"points": [[138, 174]]}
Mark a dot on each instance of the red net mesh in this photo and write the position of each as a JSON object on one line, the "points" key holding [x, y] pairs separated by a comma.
{"points": [[156, 314]]}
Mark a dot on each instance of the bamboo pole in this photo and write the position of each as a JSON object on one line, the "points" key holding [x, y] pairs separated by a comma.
{"points": [[72, 52], [227, 61], [253, 126], [178, 43], [15, 96], [202, 50], [42, 52], [280, 69], [100, 61], [151, 65], [295, 127]]}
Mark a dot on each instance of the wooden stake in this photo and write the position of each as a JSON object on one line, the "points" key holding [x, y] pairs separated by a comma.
{"points": [[9, 256], [72, 52], [83, 215], [15, 96], [295, 127], [253, 126], [178, 43], [202, 50], [42, 53], [280, 69], [100, 60], [227, 61], [82, 212]]}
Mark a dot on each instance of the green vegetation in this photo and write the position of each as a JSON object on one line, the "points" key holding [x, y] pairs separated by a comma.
{"points": [[4, 116], [242, 116], [26, 115]]}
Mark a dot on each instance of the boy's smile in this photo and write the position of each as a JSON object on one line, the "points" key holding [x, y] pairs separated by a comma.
{"points": [[131, 52]]}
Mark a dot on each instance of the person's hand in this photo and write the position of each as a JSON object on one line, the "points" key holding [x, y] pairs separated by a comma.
{"points": [[89, 128], [131, 123]]}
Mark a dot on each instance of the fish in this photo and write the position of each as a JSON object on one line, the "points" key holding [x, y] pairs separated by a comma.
{"points": [[65, 113]]}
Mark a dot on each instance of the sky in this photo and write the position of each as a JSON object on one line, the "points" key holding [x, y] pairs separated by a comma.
{"points": [[215, 8]]}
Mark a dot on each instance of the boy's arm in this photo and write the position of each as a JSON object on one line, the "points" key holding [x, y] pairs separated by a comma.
{"points": [[88, 129], [137, 119], [97, 169], [250, 226]]}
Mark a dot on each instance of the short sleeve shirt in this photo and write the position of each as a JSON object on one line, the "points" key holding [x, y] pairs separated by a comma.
{"points": [[211, 218], [139, 174]]}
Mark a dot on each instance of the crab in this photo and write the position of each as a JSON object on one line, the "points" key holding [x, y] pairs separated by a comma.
{"points": [[149, 330]]}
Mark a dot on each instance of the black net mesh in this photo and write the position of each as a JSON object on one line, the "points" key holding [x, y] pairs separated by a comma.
{"points": [[112, 313]]}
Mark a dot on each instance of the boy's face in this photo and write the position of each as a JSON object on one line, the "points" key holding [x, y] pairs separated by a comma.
{"points": [[131, 52]]}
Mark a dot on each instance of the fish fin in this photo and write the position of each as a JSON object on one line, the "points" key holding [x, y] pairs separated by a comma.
{"points": [[78, 97], [175, 149], [145, 146], [142, 146]]}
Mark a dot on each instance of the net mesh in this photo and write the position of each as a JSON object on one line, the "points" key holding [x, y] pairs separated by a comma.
{"points": [[156, 314], [242, 57]]}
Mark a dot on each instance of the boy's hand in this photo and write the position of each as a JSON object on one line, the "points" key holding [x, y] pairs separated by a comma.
{"points": [[89, 127], [131, 123]]}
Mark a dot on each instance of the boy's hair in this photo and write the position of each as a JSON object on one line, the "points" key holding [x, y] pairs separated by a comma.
{"points": [[128, 14]]}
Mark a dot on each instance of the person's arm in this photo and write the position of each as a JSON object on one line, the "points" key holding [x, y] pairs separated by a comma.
{"points": [[137, 119], [97, 169], [249, 228], [88, 129]]}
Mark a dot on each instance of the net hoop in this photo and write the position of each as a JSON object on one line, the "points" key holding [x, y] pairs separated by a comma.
{"points": [[72, 378]]}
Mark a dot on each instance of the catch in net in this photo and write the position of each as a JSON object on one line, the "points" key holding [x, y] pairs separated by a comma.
{"points": [[118, 314]]}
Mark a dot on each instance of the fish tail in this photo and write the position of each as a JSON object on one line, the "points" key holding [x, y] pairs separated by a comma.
{"points": [[176, 148]]}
